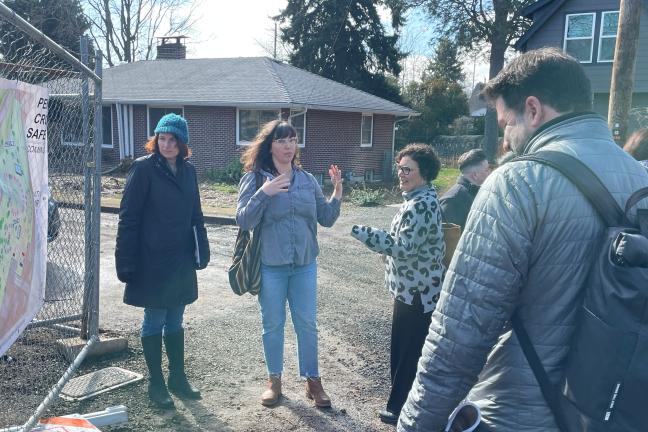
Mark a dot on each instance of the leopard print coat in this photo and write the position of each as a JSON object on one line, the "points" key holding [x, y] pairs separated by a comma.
{"points": [[413, 248]]}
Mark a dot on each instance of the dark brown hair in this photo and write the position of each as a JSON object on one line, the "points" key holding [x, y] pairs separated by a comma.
{"points": [[471, 158], [554, 77], [151, 146], [425, 157], [637, 144], [258, 157]]}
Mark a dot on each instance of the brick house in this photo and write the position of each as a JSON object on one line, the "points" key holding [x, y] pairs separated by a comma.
{"points": [[587, 30], [227, 100]]}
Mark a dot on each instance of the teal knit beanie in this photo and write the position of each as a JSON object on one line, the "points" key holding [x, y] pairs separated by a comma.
{"points": [[175, 124]]}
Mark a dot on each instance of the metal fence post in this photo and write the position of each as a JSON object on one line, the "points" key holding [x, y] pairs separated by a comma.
{"points": [[96, 199], [87, 192]]}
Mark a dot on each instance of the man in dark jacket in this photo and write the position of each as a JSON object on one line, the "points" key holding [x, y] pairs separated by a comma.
{"points": [[456, 202], [527, 246]]}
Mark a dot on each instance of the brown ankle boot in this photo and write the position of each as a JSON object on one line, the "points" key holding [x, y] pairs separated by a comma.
{"points": [[315, 391], [272, 394]]}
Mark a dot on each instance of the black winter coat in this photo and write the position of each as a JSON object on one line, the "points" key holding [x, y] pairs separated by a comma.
{"points": [[156, 251], [456, 202]]}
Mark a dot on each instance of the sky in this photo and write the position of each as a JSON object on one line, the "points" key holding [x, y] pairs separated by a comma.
{"points": [[243, 28]]}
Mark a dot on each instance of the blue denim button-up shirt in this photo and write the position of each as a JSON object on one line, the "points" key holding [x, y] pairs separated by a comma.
{"points": [[288, 219]]}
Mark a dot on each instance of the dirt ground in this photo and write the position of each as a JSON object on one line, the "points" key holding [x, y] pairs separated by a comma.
{"points": [[224, 350]]}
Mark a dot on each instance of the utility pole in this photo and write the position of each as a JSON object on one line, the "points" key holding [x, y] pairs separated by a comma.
{"points": [[623, 68]]}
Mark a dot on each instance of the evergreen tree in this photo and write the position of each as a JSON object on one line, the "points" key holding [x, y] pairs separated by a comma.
{"points": [[440, 102], [63, 21], [445, 65], [345, 41]]}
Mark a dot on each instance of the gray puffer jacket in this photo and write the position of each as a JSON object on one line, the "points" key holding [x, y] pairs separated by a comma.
{"points": [[527, 246]]}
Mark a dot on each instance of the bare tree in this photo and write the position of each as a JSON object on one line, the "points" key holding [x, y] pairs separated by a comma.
{"points": [[125, 29]]}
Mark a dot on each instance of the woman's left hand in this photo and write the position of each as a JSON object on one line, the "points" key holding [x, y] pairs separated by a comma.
{"points": [[336, 178]]}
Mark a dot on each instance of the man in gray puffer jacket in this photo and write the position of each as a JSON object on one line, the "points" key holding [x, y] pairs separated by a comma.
{"points": [[528, 247]]}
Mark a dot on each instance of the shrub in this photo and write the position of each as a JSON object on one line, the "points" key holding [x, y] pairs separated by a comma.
{"points": [[366, 197], [231, 174]]}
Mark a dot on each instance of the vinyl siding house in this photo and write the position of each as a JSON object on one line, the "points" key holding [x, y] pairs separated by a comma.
{"points": [[587, 30], [227, 100]]}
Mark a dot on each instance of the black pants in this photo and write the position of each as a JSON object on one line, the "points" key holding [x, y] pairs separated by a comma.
{"points": [[409, 330]]}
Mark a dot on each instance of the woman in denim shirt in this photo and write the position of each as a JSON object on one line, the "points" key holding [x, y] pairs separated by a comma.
{"points": [[288, 205]]}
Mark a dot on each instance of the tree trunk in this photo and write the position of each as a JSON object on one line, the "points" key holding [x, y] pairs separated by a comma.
{"points": [[499, 44], [496, 58], [623, 69]]}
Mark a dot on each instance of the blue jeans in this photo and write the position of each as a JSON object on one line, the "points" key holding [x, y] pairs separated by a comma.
{"points": [[298, 285], [157, 321]]}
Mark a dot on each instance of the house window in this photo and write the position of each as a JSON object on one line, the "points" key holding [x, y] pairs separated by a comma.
{"points": [[106, 126], [607, 38], [366, 132], [298, 121], [250, 123], [73, 135], [579, 36], [156, 113]]}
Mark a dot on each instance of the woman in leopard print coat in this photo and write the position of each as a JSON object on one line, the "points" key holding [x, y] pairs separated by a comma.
{"points": [[413, 251]]}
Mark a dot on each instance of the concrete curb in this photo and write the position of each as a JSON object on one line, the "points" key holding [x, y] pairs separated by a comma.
{"points": [[209, 218]]}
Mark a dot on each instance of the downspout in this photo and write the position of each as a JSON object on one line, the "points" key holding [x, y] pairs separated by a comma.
{"points": [[394, 132]]}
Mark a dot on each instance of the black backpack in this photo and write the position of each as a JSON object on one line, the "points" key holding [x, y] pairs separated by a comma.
{"points": [[604, 386]]}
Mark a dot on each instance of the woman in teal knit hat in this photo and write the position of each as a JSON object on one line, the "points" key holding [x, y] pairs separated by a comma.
{"points": [[161, 242]]}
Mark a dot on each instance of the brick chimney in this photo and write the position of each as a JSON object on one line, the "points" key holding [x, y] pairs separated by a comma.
{"points": [[171, 48]]}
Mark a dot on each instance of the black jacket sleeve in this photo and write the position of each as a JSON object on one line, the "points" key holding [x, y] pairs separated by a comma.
{"points": [[130, 216]]}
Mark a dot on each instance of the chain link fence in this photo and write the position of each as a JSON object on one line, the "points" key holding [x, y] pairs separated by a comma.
{"points": [[69, 315]]}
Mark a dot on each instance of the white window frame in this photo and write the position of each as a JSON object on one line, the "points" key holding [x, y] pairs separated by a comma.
{"points": [[148, 115], [370, 143], [238, 122], [601, 36], [112, 135], [290, 117], [591, 37]]}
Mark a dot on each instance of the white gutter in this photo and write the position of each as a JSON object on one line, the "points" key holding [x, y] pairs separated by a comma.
{"points": [[256, 105]]}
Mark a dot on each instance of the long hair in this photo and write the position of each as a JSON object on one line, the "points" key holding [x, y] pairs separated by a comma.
{"points": [[151, 146], [258, 157], [637, 144]]}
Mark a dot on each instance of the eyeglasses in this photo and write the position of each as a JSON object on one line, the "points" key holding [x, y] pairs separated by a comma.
{"points": [[404, 169], [286, 141]]}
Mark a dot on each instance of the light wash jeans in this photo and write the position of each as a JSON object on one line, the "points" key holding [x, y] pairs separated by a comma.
{"points": [[157, 321], [297, 284]]}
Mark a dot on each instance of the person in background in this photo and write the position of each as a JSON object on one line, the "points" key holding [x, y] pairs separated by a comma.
{"points": [[161, 242], [413, 249], [456, 202], [288, 206], [526, 248], [637, 146]]}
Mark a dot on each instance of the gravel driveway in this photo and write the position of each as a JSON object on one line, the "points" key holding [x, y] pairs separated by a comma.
{"points": [[224, 352]]}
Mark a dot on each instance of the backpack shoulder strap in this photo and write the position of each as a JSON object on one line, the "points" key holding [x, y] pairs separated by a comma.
{"points": [[548, 390], [584, 179]]}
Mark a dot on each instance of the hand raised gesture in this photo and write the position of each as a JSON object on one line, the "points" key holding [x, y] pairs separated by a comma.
{"points": [[279, 184]]}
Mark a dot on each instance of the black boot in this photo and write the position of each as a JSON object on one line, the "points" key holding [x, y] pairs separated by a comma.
{"points": [[178, 383], [157, 390]]}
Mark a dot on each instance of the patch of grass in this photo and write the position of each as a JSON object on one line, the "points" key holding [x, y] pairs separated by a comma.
{"points": [[224, 187], [446, 178], [231, 174]]}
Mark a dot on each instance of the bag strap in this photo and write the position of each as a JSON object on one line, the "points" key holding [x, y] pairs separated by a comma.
{"points": [[585, 180], [548, 390], [635, 198]]}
